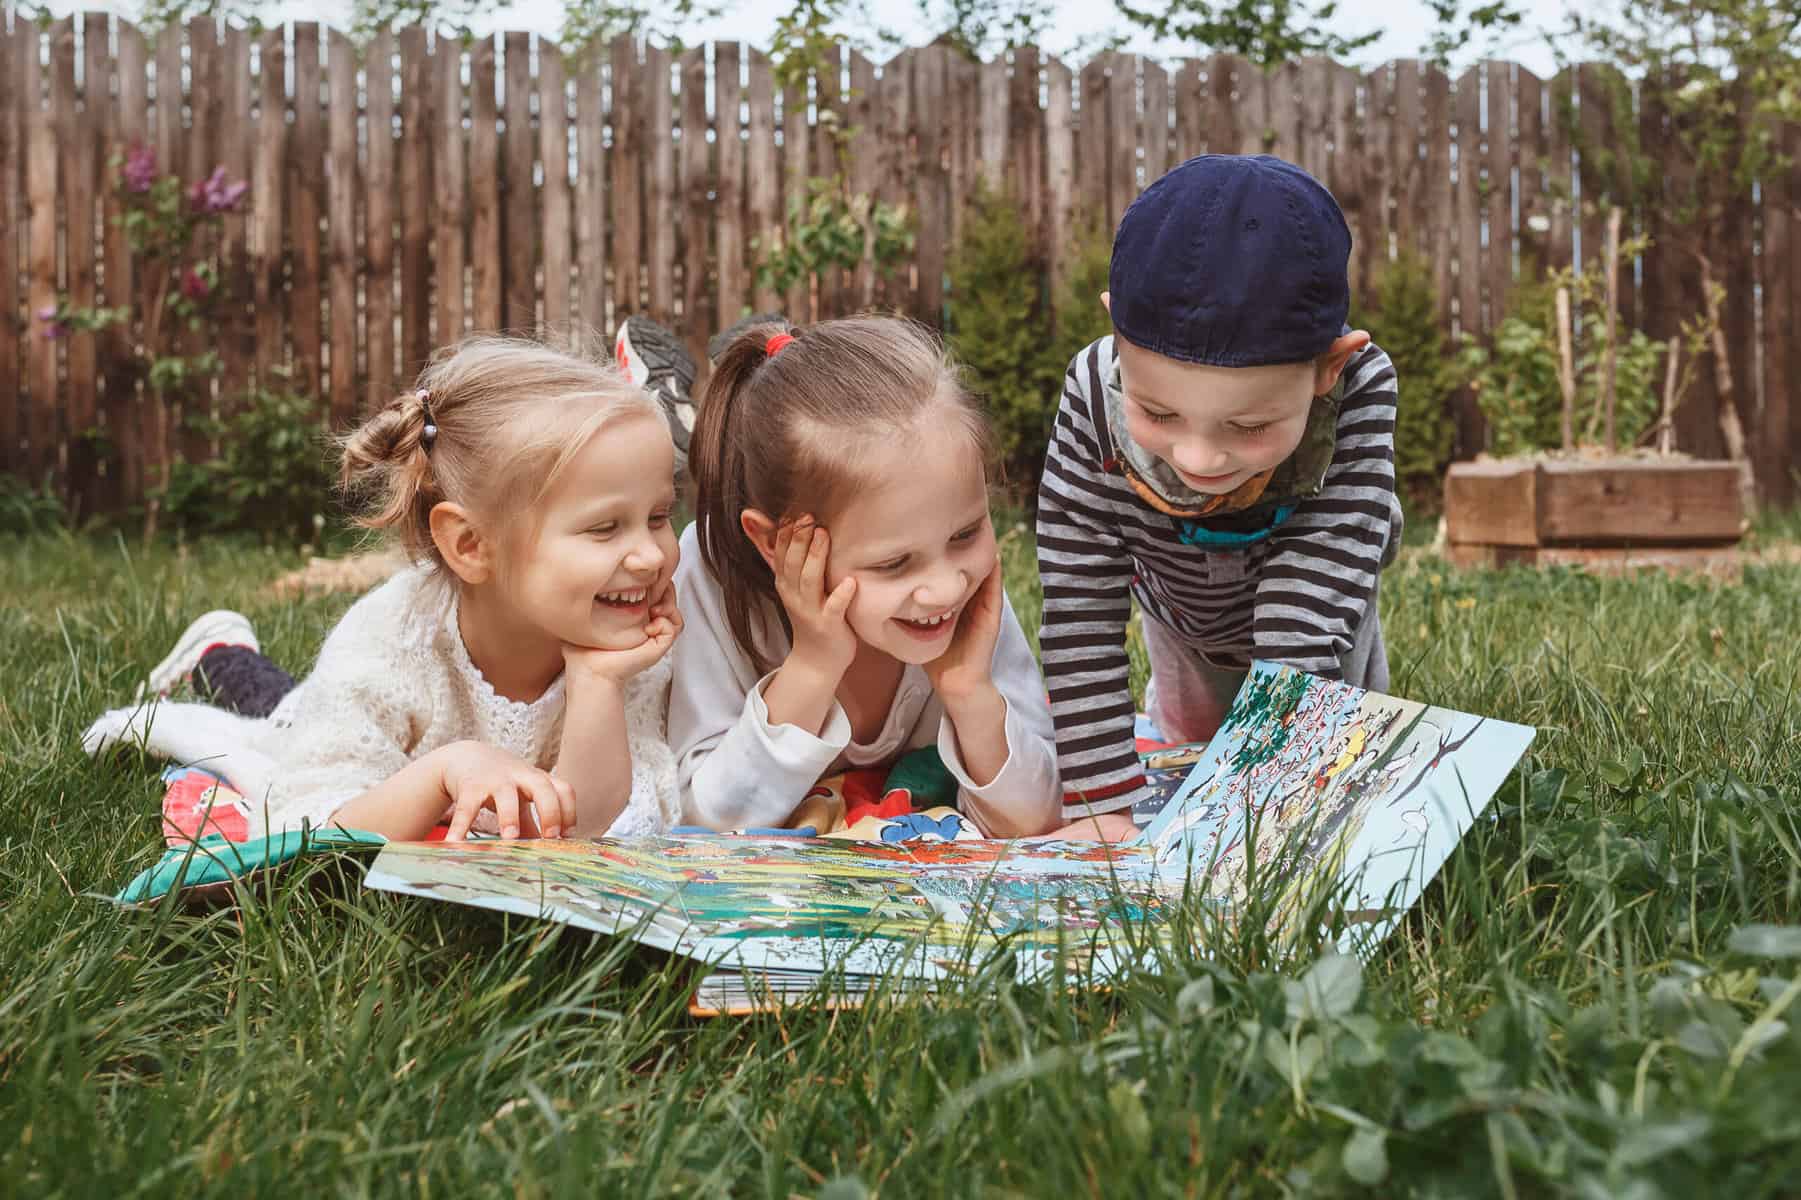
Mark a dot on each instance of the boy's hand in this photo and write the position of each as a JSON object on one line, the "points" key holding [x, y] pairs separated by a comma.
{"points": [[967, 665], [823, 640], [477, 776]]}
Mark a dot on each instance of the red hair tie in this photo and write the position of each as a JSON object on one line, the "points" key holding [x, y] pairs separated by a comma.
{"points": [[775, 343]]}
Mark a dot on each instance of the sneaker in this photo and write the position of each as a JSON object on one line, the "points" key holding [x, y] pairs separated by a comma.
{"points": [[718, 342], [656, 361], [220, 627]]}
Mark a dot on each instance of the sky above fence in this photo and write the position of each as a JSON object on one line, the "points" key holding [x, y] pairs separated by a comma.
{"points": [[1405, 24]]}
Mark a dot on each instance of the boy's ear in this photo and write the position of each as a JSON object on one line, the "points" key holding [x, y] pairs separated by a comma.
{"points": [[760, 528], [468, 554], [1107, 302], [1330, 365]]}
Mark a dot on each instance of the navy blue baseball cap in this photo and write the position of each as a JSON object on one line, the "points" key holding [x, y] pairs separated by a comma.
{"points": [[1232, 261]]}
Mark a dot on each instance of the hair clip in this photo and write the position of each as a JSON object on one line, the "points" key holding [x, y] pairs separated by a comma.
{"points": [[429, 434], [776, 342]]}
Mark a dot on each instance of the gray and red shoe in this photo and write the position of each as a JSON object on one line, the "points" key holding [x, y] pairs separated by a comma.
{"points": [[656, 361], [221, 627]]}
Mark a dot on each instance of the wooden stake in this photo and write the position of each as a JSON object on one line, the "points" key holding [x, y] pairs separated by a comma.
{"points": [[1732, 430], [1609, 363], [1666, 429], [1566, 367]]}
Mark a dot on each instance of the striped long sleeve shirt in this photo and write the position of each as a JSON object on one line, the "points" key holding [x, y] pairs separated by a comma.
{"points": [[1296, 597]]}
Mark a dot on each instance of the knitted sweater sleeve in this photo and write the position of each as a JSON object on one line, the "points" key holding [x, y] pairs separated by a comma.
{"points": [[359, 716]]}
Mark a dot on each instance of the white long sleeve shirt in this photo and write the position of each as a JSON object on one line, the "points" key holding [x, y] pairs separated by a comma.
{"points": [[392, 684], [737, 770]]}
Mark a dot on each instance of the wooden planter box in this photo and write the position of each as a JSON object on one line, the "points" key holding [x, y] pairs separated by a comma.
{"points": [[1604, 514]]}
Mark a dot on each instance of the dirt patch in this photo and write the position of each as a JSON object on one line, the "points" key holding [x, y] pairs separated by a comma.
{"points": [[357, 573]]}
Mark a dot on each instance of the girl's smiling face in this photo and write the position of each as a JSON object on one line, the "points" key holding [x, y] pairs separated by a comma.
{"points": [[917, 538], [604, 548]]}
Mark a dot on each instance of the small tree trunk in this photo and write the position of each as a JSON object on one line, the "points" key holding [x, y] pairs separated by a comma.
{"points": [[1566, 367], [1732, 430], [1666, 427], [1610, 351]]}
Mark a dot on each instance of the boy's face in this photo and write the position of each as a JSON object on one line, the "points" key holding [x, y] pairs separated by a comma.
{"points": [[1216, 427]]}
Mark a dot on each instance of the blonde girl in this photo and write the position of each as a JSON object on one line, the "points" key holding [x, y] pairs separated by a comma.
{"points": [[842, 587], [515, 671]]}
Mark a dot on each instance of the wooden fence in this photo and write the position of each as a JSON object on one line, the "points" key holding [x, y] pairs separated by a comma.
{"points": [[412, 188]]}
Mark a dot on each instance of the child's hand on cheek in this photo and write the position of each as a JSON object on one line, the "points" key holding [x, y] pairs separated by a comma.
{"points": [[618, 666], [966, 667], [823, 640]]}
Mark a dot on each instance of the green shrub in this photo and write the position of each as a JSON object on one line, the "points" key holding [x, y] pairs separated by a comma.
{"points": [[1080, 319], [25, 509], [272, 477], [1401, 314], [1003, 327], [999, 329], [1515, 375]]}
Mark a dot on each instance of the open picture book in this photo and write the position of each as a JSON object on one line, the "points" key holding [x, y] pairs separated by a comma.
{"points": [[1308, 785]]}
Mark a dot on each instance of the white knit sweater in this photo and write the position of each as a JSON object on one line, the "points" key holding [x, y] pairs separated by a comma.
{"points": [[393, 682]]}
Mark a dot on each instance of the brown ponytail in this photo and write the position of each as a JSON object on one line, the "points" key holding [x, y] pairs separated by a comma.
{"points": [[780, 434]]}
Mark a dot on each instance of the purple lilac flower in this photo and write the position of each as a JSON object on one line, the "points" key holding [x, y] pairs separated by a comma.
{"points": [[217, 193], [53, 328], [140, 168]]}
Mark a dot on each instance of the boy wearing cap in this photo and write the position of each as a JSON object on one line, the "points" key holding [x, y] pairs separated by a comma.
{"points": [[1226, 458]]}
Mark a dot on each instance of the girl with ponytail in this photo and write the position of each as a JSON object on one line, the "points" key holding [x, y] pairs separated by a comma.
{"points": [[514, 674], [842, 586]]}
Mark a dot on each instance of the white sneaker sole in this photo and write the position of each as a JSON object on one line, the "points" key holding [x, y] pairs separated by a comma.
{"points": [[219, 627]]}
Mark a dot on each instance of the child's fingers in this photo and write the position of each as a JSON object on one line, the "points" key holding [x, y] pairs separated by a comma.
{"points": [[543, 817], [462, 817], [989, 594], [665, 605], [794, 558], [531, 824], [812, 573], [838, 603], [565, 796], [506, 807]]}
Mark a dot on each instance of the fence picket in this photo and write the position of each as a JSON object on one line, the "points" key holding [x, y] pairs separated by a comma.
{"points": [[306, 160], [341, 193], [659, 193], [485, 264], [13, 46], [628, 180], [378, 227], [81, 137], [518, 193], [729, 200], [42, 190], [698, 320], [763, 199], [553, 154], [590, 196]]}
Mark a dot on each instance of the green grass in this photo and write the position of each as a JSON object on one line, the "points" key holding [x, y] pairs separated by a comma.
{"points": [[1576, 1008]]}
